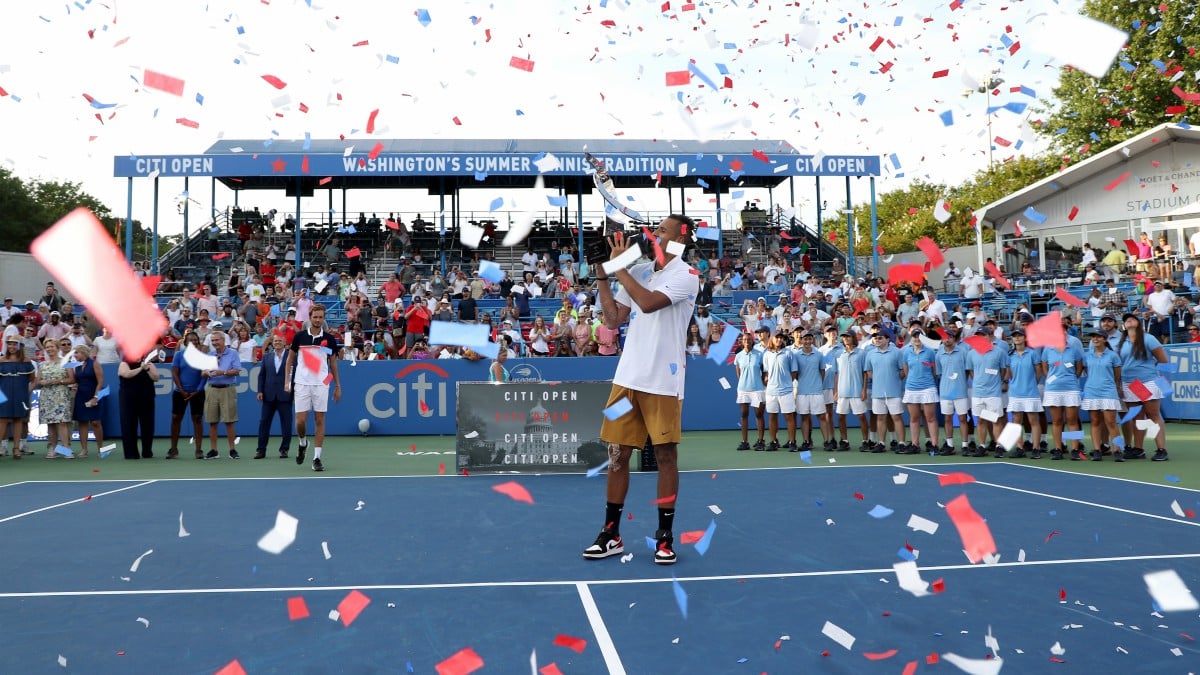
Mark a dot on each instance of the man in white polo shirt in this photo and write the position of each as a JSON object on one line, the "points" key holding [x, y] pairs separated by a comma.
{"points": [[657, 298], [312, 361]]}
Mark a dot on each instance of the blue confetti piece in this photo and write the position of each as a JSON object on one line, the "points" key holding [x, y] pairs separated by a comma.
{"points": [[721, 68], [496, 203], [693, 69], [895, 160], [743, 660], [680, 597], [880, 511], [706, 540], [595, 471], [860, 97], [806, 457], [3, 398], [616, 410], [737, 194], [481, 176], [819, 503], [947, 118], [1016, 107], [1164, 385], [1033, 214], [674, 368], [899, 20], [241, 30], [1119, 441], [307, 141], [101, 393], [491, 271], [392, 59], [651, 543], [729, 45], [101, 106], [1169, 367], [423, 17], [1006, 41], [1172, 479], [557, 200], [1097, 536], [519, 112], [1054, 513], [407, 664], [906, 554], [701, 182], [1072, 435], [735, 281], [720, 351], [1133, 412]]}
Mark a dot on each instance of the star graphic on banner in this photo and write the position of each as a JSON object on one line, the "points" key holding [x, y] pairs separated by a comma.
{"points": [[736, 164], [278, 165]]}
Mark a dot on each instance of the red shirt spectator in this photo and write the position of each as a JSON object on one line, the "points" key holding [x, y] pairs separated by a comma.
{"points": [[267, 271], [32, 317], [416, 318]]}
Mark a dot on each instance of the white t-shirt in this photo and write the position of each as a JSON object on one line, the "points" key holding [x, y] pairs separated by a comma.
{"points": [[106, 350], [529, 261], [654, 356], [1194, 242], [1161, 301], [937, 309], [255, 291], [972, 287]]}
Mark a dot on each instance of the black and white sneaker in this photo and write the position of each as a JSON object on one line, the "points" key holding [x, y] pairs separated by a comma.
{"points": [[773, 447], [946, 450], [743, 446], [1036, 453], [759, 446], [878, 448], [212, 454], [790, 446], [317, 465], [233, 454], [1056, 453], [1096, 455], [843, 446], [1160, 455], [1135, 453], [1118, 456], [300, 452], [664, 551], [607, 544]]}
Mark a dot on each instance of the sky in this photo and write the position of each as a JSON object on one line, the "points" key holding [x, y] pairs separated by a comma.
{"points": [[814, 73]]}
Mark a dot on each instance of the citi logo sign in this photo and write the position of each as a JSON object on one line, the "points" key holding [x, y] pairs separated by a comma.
{"points": [[421, 396]]}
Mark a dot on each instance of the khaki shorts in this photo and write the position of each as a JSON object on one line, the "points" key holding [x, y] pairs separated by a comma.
{"points": [[657, 416], [220, 404]]}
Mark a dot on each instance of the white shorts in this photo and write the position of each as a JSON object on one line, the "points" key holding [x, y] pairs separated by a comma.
{"points": [[929, 395], [951, 406], [851, 406], [1031, 404], [1061, 399], [313, 397], [785, 404], [754, 398], [1130, 397], [981, 403], [887, 406], [810, 404], [1102, 404], [828, 394]]}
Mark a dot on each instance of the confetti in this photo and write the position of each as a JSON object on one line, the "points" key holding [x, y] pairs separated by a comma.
{"points": [[282, 535], [1169, 592], [156, 80], [838, 635], [595, 471], [706, 539], [137, 563], [956, 478], [182, 532], [681, 598], [976, 536], [909, 577], [521, 64], [514, 491], [1047, 332], [325, 550], [351, 606], [297, 609], [932, 251], [231, 668], [572, 643], [619, 409], [880, 511], [900, 478]]}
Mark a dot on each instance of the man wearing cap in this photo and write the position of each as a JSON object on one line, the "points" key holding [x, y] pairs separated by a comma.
{"points": [[883, 368], [32, 316], [809, 365], [1113, 301], [54, 329], [971, 287], [1158, 305], [1110, 329]]}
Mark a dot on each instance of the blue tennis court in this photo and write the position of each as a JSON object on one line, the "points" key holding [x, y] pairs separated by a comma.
{"points": [[447, 563]]}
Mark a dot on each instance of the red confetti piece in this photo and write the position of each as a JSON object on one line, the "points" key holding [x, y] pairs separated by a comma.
{"points": [[371, 121], [303, 108], [879, 656], [889, 613], [521, 64], [859, 496], [976, 536], [1189, 513], [231, 668], [664, 500], [514, 491], [87, 498], [932, 658], [910, 668], [940, 73], [677, 78], [1074, 212], [778, 645], [304, 164], [465, 661], [441, 468], [351, 606], [995, 273], [122, 653], [979, 343], [1176, 109], [156, 80], [573, 643], [220, 256], [1061, 293], [932, 251], [1062, 594], [1188, 637], [297, 609], [938, 586], [550, 669], [906, 273], [361, 43], [82, 255], [457, 122], [1120, 179], [311, 359], [325, 180], [1138, 389], [274, 81], [1053, 534], [424, 407], [691, 536], [629, 516], [375, 150], [876, 44], [151, 284], [191, 124], [1047, 332], [353, 253], [825, 653], [1056, 659], [760, 156]]}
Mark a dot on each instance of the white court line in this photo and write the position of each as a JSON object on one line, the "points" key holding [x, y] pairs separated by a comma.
{"points": [[1092, 475], [1074, 501], [603, 640], [594, 582], [73, 501], [22, 482]]}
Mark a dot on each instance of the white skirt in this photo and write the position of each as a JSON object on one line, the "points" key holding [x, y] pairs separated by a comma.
{"points": [[929, 395], [1130, 397], [1061, 399], [1025, 405], [1102, 404]]}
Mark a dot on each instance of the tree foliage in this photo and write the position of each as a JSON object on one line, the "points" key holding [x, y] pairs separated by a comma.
{"points": [[1090, 115]]}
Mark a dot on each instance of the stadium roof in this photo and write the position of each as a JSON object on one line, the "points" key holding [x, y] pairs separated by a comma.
{"points": [[445, 164]]}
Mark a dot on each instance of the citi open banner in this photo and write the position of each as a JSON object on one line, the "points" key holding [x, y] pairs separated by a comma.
{"points": [[530, 427]]}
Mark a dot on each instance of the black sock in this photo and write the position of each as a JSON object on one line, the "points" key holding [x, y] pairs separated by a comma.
{"points": [[612, 517], [666, 518]]}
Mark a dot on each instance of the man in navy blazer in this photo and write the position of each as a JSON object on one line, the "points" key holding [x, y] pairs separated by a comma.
{"points": [[275, 399]]}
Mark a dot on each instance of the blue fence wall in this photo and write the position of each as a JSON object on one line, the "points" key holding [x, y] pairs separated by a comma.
{"points": [[390, 393]]}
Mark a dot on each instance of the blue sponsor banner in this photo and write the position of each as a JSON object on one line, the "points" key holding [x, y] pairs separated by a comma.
{"points": [[1183, 396], [419, 397], [267, 163]]}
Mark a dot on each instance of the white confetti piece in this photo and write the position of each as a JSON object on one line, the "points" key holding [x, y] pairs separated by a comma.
{"points": [[715, 509], [182, 532], [1010, 436], [975, 666], [675, 248], [675, 641], [473, 434], [325, 550], [627, 557], [1177, 509], [1176, 651], [137, 563], [991, 559], [922, 524], [838, 635], [391, 604], [829, 521], [1021, 555], [1092, 47], [62, 660], [198, 359], [991, 642], [334, 615], [900, 478], [629, 257], [237, 439], [1169, 592], [282, 535], [724, 383], [1057, 649], [910, 579], [785, 638], [125, 579], [360, 506], [144, 621]]}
